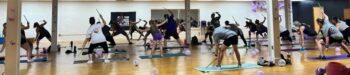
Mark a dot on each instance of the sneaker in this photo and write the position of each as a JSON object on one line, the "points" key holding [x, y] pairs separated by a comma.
{"points": [[348, 55], [322, 57], [204, 41], [90, 62], [107, 61], [131, 43], [30, 60]]}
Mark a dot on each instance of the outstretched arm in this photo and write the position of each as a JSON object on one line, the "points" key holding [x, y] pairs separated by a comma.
{"points": [[160, 24], [25, 27], [325, 16]]}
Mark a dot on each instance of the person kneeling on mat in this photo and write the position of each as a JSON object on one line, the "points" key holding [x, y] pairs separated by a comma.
{"points": [[96, 38], [230, 38], [302, 30], [343, 28], [330, 35]]}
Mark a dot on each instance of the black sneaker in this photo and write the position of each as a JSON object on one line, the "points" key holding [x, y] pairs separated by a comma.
{"points": [[204, 41], [131, 43], [322, 57], [348, 55]]}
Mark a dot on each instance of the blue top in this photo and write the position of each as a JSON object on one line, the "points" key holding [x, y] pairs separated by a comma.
{"points": [[171, 24]]}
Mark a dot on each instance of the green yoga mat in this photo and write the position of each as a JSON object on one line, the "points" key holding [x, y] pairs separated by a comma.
{"points": [[226, 67], [164, 56]]}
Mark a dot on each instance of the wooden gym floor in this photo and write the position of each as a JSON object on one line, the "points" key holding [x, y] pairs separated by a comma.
{"points": [[62, 64]]}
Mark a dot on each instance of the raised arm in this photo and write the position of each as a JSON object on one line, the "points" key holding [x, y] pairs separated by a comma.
{"points": [[325, 16], [25, 27], [160, 24], [263, 20], [171, 13], [219, 16], [43, 23], [103, 20]]}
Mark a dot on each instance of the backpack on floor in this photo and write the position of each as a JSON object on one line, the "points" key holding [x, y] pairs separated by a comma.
{"points": [[194, 40]]}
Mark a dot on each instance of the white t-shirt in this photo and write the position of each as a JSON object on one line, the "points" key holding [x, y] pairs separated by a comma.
{"points": [[95, 33]]}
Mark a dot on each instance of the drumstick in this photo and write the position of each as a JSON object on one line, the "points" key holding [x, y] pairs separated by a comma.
{"points": [[98, 12], [25, 18]]}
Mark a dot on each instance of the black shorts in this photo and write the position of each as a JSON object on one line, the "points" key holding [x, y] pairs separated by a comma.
{"points": [[102, 44], [173, 34], [233, 40], [346, 32], [42, 35], [332, 40]]}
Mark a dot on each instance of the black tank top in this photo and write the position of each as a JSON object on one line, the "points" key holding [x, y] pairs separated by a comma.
{"points": [[309, 31]]}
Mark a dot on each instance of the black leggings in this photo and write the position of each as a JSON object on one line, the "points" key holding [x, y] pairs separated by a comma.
{"points": [[93, 46], [346, 34], [133, 30], [209, 34]]}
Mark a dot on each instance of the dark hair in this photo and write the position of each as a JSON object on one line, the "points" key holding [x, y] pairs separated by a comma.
{"points": [[227, 22], [4, 25], [257, 21], [319, 20], [92, 20], [36, 24], [336, 19]]}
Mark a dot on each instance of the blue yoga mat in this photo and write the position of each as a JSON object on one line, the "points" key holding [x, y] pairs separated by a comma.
{"points": [[25, 61], [164, 55], [297, 49], [227, 67], [336, 57]]}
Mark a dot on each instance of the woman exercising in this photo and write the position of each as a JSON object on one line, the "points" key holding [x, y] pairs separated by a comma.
{"points": [[41, 32], [234, 27], [343, 28], [305, 31], [209, 33], [133, 28], [96, 38], [230, 38], [330, 35], [157, 36], [117, 29], [25, 44]]}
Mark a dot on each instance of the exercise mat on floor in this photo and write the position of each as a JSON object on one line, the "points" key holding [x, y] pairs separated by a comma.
{"points": [[226, 67], [26, 61], [297, 49], [167, 55], [336, 57], [100, 60]]}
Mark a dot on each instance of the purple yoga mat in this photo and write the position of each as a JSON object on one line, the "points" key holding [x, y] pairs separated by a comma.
{"points": [[343, 56], [297, 49]]}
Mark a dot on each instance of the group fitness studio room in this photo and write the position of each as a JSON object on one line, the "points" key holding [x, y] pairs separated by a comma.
{"points": [[175, 37]]}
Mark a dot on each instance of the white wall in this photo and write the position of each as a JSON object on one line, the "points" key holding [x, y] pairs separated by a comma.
{"points": [[73, 16]]}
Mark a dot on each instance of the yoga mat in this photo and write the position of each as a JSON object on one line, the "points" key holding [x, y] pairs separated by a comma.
{"points": [[109, 47], [171, 47], [297, 49], [113, 51], [226, 67], [336, 57], [26, 61], [100, 60], [167, 55]]}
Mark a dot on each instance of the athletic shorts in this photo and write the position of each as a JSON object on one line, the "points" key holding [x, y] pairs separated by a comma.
{"points": [[285, 34], [23, 39], [173, 34], [332, 40], [102, 44], [157, 36], [233, 40]]}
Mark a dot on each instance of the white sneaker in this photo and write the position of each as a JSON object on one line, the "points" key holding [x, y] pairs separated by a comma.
{"points": [[90, 62], [107, 61], [29, 60]]}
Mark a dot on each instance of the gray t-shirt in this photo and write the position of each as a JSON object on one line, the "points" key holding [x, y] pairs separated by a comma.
{"points": [[222, 33], [342, 25], [329, 28]]}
